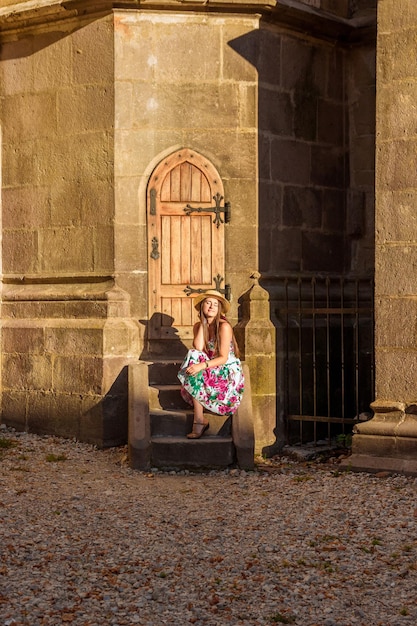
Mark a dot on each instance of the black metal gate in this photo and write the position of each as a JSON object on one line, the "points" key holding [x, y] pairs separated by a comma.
{"points": [[328, 354]]}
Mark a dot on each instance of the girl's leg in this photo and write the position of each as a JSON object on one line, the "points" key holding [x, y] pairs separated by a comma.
{"points": [[199, 425], [198, 412]]}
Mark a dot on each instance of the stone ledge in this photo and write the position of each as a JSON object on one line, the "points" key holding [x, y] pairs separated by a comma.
{"points": [[373, 464], [288, 13]]}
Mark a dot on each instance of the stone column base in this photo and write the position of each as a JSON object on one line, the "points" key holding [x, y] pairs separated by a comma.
{"points": [[388, 442]]}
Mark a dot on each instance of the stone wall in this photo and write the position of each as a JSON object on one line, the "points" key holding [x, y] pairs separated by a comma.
{"points": [[66, 329], [195, 91], [389, 440], [316, 164], [91, 103]]}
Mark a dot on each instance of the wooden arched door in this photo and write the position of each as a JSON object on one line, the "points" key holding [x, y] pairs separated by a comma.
{"points": [[185, 247]]}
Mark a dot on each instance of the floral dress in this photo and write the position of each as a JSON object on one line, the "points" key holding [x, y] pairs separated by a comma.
{"points": [[218, 389]]}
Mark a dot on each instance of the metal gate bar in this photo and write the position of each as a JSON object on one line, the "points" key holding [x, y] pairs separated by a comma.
{"points": [[328, 354]]}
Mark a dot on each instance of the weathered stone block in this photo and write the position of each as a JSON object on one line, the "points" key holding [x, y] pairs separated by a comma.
{"points": [[263, 374], [374, 445], [128, 251], [91, 47], [240, 46], [136, 148], [393, 275], [363, 159], [57, 414], [290, 161], [16, 67], [322, 252], [26, 208], [154, 105], [21, 110], [137, 286], [84, 108], [20, 251], [260, 340], [396, 323], [362, 118], [270, 205], [14, 409], [304, 66], [19, 166], [104, 249], [396, 373], [243, 250], [301, 207], [21, 339], [52, 67], [281, 249], [26, 371], [396, 15], [264, 421], [327, 166], [79, 309], [248, 106], [399, 224], [74, 341], [121, 337], [271, 45], [330, 126], [139, 428], [397, 107], [395, 63], [332, 207], [264, 156], [104, 420], [275, 112], [66, 250], [76, 374]]}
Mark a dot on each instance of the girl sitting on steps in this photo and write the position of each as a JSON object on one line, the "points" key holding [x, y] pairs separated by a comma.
{"points": [[211, 373]]}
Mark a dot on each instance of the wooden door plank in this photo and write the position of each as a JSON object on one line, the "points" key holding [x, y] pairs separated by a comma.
{"points": [[206, 193], [175, 257], [195, 249], [187, 312], [185, 182], [165, 245], [206, 257], [175, 194], [166, 307], [166, 189], [176, 311], [196, 177], [185, 250]]}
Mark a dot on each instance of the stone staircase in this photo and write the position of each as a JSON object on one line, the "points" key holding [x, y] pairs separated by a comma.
{"points": [[159, 421]]}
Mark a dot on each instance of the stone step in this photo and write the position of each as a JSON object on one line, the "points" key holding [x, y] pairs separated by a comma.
{"points": [[166, 397], [171, 423], [204, 453], [164, 372]]}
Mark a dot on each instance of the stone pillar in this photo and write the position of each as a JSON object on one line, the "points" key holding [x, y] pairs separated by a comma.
{"points": [[389, 440], [255, 335], [139, 436]]}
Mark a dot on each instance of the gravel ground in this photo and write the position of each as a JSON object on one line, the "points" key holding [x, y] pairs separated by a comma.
{"points": [[87, 541]]}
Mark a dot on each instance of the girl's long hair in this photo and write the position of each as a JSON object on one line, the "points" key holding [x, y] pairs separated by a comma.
{"points": [[220, 316]]}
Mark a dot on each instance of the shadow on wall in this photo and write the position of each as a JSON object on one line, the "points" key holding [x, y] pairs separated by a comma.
{"points": [[303, 147], [161, 338], [303, 151]]}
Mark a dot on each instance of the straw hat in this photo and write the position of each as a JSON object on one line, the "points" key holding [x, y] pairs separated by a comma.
{"points": [[211, 293]]}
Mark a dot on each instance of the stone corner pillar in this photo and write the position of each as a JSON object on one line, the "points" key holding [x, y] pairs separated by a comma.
{"points": [[255, 334], [139, 429], [389, 440]]}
